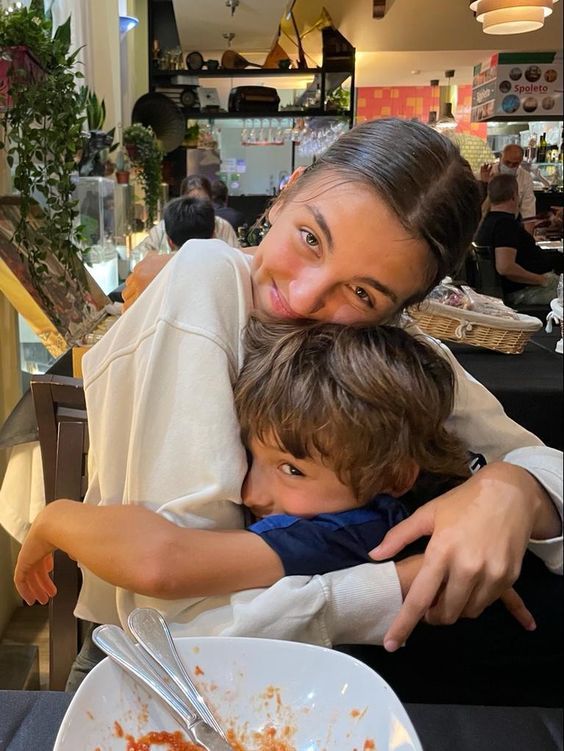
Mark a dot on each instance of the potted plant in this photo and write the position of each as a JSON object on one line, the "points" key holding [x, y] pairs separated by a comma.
{"points": [[42, 135], [122, 168], [146, 156]]}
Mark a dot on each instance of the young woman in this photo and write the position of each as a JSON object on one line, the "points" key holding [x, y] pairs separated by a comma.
{"points": [[369, 229]]}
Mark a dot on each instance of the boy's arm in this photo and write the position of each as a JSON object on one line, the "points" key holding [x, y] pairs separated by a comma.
{"points": [[170, 562]]}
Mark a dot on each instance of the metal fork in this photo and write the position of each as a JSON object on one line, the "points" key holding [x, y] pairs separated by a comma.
{"points": [[117, 645], [151, 631]]}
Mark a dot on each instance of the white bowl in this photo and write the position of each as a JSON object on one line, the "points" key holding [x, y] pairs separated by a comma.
{"points": [[315, 698]]}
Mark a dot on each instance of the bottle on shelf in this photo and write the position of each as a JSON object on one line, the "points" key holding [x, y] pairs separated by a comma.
{"points": [[541, 150]]}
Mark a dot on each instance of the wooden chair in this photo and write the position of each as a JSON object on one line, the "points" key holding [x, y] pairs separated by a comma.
{"points": [[63, 437], [487, 278]]}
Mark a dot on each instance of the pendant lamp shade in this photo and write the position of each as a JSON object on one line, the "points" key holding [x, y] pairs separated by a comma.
{"points": [[511, 16]]}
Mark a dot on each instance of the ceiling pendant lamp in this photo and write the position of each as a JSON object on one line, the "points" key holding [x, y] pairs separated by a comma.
{"points": [[511, 16], [446, 120], [432, 118]]}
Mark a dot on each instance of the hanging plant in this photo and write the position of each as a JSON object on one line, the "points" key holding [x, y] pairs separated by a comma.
{"points": [[146, 156], [42, 131]]}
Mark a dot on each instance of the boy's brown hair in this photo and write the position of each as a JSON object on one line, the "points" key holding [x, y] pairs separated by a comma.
{"points": [[368, 401]]}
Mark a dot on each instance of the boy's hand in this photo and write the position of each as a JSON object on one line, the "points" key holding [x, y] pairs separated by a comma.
{"points": [[34, 564], [142, 275]]}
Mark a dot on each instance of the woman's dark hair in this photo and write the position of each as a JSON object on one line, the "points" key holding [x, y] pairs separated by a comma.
{"points": [[419, 174], [219, 192], [196, 182]]}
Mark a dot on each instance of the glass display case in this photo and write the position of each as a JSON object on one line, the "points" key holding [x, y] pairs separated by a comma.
{"points": [[96, 207], [547, 175]]}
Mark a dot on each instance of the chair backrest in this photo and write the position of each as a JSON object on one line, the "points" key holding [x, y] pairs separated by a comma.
{"points": [[488, 281], [60, 410]]}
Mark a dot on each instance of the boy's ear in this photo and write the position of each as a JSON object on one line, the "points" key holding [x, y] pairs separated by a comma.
{"points": [[405, 481], [171, 245]]}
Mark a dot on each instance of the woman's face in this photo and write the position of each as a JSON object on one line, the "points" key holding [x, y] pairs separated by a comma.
{"points": [[336, 253]]}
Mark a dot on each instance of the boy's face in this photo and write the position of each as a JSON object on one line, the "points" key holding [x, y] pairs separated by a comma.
{"points": [[278, 483]]}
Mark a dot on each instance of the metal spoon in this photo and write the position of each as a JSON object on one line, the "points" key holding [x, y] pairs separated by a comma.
{"points": [[151, 631], [117, 645]]}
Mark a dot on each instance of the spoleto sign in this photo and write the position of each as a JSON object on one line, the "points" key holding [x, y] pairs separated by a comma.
{"points": [[518, 86]]}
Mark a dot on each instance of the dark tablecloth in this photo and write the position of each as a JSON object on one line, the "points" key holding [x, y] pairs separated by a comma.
{"points": [[528, 385], [29, 721]]}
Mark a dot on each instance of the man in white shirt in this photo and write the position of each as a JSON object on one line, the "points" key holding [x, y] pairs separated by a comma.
{"points": [[510, 163]]}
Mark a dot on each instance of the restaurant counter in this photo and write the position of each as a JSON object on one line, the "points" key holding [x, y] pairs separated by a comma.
{"points": [[31, 719], [546, 199]]}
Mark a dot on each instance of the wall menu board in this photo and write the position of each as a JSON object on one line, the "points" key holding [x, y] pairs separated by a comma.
{"points": [[518, 86]]}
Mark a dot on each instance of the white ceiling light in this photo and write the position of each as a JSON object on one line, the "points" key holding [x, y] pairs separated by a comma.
{"points": [[511, 16]]}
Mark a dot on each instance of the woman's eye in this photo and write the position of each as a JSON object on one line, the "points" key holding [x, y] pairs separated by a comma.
{"points": [[363, 296], [310, 239], [289, 469]]}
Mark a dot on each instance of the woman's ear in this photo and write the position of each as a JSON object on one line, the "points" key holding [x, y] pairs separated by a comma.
{"points": [[296, 174], [277, 205]]}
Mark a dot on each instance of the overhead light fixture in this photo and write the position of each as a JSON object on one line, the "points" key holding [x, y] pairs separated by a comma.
{"points": [[432, 119], [233, 5], [446, 121], [126, 23], [511, 16]]}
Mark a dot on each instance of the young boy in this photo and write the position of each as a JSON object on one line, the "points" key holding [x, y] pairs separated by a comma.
{"points": [[188, 218], [339, 422]]}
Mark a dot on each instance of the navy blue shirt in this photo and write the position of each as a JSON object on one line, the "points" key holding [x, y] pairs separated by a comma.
{"points": [[329, 542]]}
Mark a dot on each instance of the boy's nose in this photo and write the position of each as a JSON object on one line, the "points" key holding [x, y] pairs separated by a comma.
{"points": [[255, 493]]}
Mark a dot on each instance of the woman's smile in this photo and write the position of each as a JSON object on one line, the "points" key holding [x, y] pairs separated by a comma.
{"points": [[280, 307]]}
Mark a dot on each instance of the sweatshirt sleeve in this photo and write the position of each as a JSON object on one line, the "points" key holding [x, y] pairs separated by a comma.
{"points": [[480, 421], [353, 606]]}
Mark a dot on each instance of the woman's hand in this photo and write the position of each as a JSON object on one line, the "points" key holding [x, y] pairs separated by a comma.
{"points": [[142, 275], [479, 534], [34, 564], [408, 568]]}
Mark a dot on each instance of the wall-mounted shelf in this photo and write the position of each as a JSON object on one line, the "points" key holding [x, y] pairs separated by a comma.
{"points": [[222, 115]]}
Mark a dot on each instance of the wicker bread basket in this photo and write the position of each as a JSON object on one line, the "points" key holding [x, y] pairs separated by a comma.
{"points": [[469, 327]]}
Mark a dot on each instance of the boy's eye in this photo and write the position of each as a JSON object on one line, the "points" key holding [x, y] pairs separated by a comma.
{"points": [[289, 469]]}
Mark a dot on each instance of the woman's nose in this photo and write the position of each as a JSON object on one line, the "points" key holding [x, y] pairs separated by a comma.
{"points": [[309, 292]]}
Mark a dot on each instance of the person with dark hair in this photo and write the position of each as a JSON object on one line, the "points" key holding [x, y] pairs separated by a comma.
{"points": [[187, 218], [193, 186], [525, 270], [219, 197], [321, 499], [510, 163], [356, 237]]}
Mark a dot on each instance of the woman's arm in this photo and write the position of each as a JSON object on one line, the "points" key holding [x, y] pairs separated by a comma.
{"points": [[480, 530], [139, 550]]}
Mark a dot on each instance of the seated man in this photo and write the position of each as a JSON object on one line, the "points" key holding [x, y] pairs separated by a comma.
{"points": [[219, 198], [526, 270], [194, 186], [510, 163]]}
